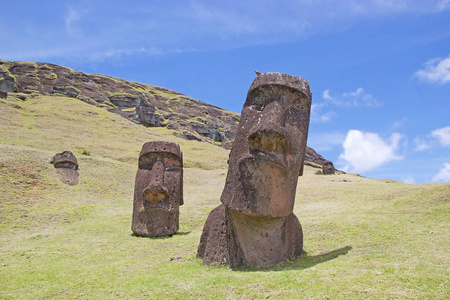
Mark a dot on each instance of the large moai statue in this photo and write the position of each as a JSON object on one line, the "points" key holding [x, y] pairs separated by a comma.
{"points": [[255, 224], [158, 190]]}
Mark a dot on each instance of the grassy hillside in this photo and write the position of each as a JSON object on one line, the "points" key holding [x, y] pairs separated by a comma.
{"points": [[364, 238]]}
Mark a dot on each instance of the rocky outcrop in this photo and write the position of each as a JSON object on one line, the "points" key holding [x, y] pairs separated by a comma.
{"points": [[7, 82], [142, 103], [313, 159]]}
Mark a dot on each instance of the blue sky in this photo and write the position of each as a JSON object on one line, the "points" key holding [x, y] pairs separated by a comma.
{"points": [[379, 70]]}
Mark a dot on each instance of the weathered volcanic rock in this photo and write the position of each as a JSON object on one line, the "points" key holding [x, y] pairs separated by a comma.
{"points": [[255, 224], [158, 191], [65, 160], [313, 159], [145, 104], [7, 83], [66, 166], [328, 168]]}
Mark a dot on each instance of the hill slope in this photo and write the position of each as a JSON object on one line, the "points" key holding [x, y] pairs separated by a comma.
{"points": [[144, 104], [364, 238]]}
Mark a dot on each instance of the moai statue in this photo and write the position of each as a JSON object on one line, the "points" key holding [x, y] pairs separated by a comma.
{"points": [[158, 190], [66, 166], [328, 168], [255, 224]]}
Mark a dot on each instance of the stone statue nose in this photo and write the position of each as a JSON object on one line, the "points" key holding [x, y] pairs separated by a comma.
{"points": [[273, 114], [158, 171], [155, 191], [267, 136]]}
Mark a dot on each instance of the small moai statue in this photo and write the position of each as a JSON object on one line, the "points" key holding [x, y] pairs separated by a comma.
{"points": [[255, 224], [65, 159], [66, 166], [158, 190], [328, 168]]}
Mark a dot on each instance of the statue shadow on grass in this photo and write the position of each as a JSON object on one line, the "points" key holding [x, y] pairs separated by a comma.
{"points": [[301, 262], [161, 237]]}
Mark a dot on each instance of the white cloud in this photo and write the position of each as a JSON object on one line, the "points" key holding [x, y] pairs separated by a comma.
{"points": [[356, 98], [434, 138], [321, 118], [322, 142], [435, 70], [409, 180], [72, 16], [326, 95], [93, 27], [364, 151], [443, 4], [443, 135], [349, 99], [443, 175], [327, 116], [399, 123], [421, 144], [360, 98]]}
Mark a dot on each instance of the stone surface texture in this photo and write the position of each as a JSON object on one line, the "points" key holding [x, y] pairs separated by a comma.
{"points": [[144, 104], [158, 191], [255, 224], [65, 159], [328, 168], [66, 166]]}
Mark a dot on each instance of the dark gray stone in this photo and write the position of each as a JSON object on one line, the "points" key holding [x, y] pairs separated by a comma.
{"points": [[328, 168]]}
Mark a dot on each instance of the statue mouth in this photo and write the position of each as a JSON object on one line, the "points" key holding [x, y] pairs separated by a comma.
{"points": [[155, 195], [261, 157], [266, 186], [157, 198]]}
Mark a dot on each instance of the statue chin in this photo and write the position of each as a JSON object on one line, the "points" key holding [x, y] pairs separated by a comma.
{"points": [[267, 189]]}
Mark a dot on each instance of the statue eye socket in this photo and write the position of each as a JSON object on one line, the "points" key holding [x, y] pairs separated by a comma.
{"points": [[171, 161], [173, 168], [147, 161], [258, 103]]}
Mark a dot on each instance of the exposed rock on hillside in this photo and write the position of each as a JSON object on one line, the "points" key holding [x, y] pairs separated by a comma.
{"points": [[144, 104], [313, 159]]}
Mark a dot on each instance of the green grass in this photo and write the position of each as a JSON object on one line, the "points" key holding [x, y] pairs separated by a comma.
{"points": [[364, 238]]}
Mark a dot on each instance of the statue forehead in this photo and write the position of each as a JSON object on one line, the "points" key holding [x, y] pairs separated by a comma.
{"points": [[160, 147], [275, 78], [64, 157]]}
